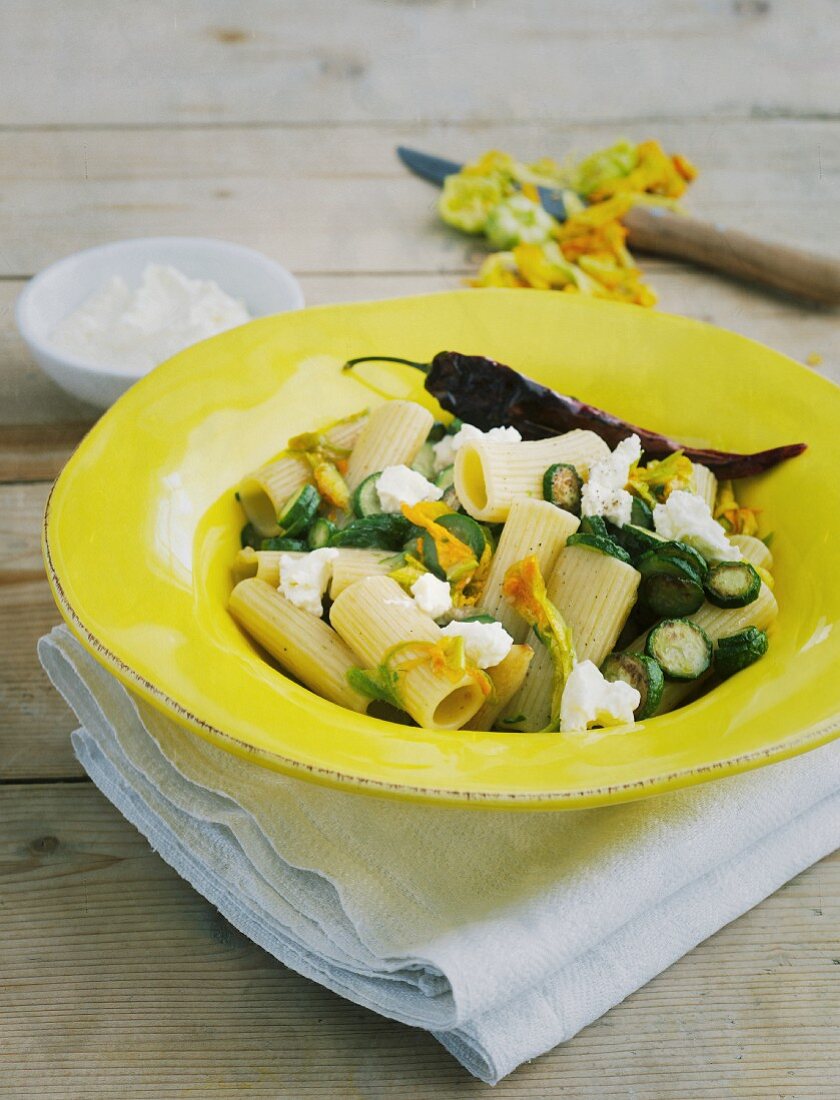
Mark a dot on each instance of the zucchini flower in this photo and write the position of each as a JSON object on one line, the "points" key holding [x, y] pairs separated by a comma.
{"points": [[519, 220]]}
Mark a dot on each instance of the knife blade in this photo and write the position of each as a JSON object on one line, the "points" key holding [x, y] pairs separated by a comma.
{"points": [[436, 169], [807, 275]]}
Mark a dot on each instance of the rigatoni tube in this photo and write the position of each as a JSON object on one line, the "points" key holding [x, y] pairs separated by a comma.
{"points": [[507, 677], [392, 436], [303, 644], [705, 484], [373, 616], [594, 593], [533, 527], [490, 474]]}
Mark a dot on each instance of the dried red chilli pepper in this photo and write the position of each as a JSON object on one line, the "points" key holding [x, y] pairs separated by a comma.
{"points": [[488, 394]]}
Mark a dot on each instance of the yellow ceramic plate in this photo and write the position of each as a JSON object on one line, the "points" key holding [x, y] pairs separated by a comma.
{"points": [[142, 526]]}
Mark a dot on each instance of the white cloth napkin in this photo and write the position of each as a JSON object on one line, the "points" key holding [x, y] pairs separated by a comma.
{"points": [[501, 933]]}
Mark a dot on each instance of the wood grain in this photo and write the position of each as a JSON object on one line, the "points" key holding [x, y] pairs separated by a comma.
{"points": [[120, 980], [333, 200], [277, 60]]}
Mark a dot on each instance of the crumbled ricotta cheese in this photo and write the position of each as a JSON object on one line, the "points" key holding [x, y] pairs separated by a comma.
{"points": [[131, 331], [687, 517], [399, 485], [604, 493], [304, 579], [432, 595], [446, 449], [485, 644], [589, 699]]}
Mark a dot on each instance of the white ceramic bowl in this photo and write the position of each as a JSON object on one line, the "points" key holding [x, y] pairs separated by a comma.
{"points": [[264, 286]]}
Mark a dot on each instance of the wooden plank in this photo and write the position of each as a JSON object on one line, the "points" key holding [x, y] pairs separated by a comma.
{"points": [[36, 723], [118, 980], [275, 60], [333, 200]]}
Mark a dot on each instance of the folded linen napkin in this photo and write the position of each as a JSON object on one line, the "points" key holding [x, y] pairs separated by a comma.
{"points": [[501, 933]]}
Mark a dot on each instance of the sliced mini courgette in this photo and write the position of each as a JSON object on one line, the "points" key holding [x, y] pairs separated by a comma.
{"points": [[654, 562], [299, 511], [681, 551], [732, 584], [454, 426], [446, 480], [562, 486], [281, 542], [597, 542], [681, 648], [320, 534], [594, 525], [424, 461], [635, 540], [671, 596], [641, 672], [464, 529], [739, 650], [437, 432], [641, 514], [248, 537], [478, 619], [365, 499], [387, 531]]}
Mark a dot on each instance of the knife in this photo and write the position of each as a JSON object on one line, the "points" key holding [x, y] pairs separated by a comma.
{"points": [[658, 230]]}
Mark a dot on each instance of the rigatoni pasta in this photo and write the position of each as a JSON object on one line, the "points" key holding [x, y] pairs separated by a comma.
{"points": [[309, 648], [467, 579]]}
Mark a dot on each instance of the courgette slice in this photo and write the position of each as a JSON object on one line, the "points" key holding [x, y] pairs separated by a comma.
{"points": [[681, 551], [635, 540], [248, 537], [320, 534], [670, 596], [436, 432], [478, 619], [454, 426], [655, 563], [464, 529], [594, 525], [681, 648], [365, 500], [424, 461], [732, 584], [740, 650], [562, 486], [641, 514], [280, 542], [299, 511], [596, 542], [387, 531], [641, 672], [446, 480]]}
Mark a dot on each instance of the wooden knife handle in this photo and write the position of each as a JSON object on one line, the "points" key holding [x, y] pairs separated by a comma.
{"points": [[804, 274]]}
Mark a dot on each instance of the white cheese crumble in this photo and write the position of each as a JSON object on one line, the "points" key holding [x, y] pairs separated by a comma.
{"points": [[432, 595], [485, 644], [304, 579], [446, 449], [589, 699], [688, 518], [399, 485], [131, 331], [604, 493]]}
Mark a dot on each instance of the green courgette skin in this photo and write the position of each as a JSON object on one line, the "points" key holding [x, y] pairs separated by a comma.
{"points": [[732, 584], [365, 499], [667, 644], [641, 672], [635, 540], [596, 542], [387, 531], [562, 486], [248, 537], [740, 650], [671, 596], [299, 511], [320, 534], [464, 528], [425, 460], [280, 542], [446, 480], [641, 514]]}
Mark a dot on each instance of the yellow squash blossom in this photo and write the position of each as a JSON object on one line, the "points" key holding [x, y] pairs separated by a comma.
{"points": [[734, 519], [656, 481]]}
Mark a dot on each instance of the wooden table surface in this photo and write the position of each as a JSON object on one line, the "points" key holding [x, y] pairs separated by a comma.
{"points": [[273, 123]]}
